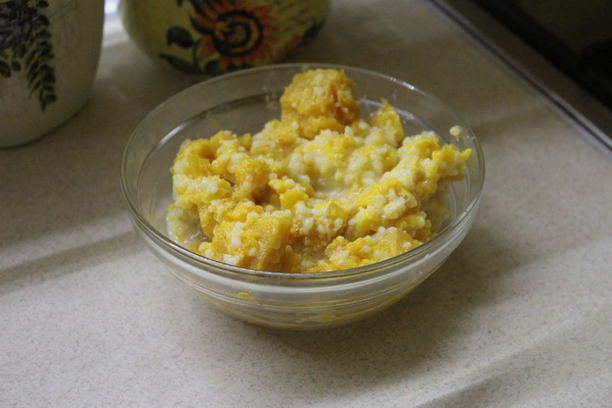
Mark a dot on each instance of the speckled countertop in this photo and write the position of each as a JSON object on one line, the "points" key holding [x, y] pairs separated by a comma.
{"points": [[520, 315]]}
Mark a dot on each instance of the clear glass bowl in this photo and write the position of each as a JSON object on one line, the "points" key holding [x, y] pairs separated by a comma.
{"points": [[243, 102]]}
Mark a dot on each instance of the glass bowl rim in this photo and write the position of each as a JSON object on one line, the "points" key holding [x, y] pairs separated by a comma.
{"points": [[204, 263]]}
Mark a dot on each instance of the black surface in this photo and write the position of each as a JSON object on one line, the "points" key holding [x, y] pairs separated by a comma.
{"points": [[576, 36]]}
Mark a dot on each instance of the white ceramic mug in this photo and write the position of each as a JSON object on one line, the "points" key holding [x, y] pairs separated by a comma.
{"points": [[49, 52]]}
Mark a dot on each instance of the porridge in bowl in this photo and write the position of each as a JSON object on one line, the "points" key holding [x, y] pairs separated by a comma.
{"points": [[319, 189]]}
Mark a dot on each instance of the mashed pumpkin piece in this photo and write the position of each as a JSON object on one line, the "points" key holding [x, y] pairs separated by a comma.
{"points": [[319, 189]]}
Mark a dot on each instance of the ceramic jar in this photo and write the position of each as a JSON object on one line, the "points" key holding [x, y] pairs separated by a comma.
{"points": [[213, 36], [49, 51]]}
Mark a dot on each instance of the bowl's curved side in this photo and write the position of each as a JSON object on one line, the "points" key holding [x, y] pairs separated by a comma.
{"points": [[246, 97]]}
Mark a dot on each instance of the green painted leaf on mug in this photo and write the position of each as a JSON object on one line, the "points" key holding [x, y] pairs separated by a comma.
{"points": [[32, 52], [212, 67], [179, 36], [198, 6], [19, 50], [42, 19], [181, 64], [5, 70], [199, 27]]}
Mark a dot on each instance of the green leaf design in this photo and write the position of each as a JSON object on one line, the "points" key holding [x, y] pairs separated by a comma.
{"points": [[36, 85], [312, 31], [199, 27], [32, 70], [212, 67], [42, 35], [33, 54], [179, 36], [42, 19], [49, 76], [30, 57], [49, 98], [197, 6], [181, 65], [19, 50], [45, 51], [5, 70]]}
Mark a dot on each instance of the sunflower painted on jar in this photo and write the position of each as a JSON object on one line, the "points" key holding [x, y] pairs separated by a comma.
{"points": [[240, 32], [214, 36]]}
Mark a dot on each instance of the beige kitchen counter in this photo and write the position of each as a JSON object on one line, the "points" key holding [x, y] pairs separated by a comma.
{"points": [[520, 315]]}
